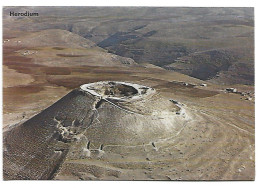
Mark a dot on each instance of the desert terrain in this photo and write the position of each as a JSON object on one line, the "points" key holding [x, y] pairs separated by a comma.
{"points": [[192, 127]]}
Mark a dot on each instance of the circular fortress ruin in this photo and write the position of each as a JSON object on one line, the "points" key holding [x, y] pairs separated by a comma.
{"points": [[116, 90]]}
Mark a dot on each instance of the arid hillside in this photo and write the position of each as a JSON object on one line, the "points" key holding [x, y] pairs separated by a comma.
{"points": [[169, 94], [214, 44]]}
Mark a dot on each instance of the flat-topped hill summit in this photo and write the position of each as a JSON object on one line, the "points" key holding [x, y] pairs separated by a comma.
{"points": [[108, 116]]}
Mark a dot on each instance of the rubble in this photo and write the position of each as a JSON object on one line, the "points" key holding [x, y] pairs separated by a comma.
{"points": [[27, 52], [174, 101], [231, 90], [6, 40]]}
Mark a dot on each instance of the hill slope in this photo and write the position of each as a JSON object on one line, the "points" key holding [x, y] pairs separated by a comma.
{"points": [[165, 135]]}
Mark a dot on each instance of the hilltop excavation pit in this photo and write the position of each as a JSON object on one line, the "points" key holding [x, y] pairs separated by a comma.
{"points": [[115, 90]]}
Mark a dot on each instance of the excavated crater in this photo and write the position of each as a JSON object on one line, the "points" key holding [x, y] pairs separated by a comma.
{"points": [[117, 90]]}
